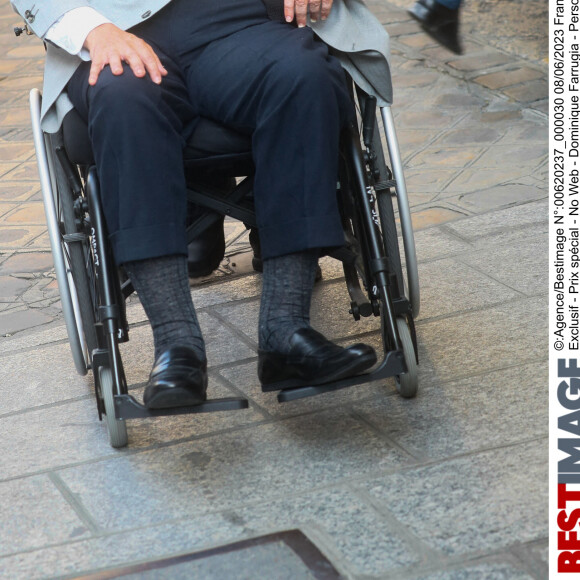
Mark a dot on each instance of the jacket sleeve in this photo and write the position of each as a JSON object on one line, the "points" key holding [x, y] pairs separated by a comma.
{"points": [[40, 15]]}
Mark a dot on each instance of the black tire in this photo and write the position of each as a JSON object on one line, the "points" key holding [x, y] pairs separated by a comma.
{"points": [[387, 214], [78, 257]]}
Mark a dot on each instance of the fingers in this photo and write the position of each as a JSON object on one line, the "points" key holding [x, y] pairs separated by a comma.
{"points": [[319, 10], [300, 11], [109, 45], [325, 10], [315, 6], [289, 10]]}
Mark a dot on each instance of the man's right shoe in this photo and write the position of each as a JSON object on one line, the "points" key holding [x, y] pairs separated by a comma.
{"points": [[312, 360], [178, 379], [440, 22]]}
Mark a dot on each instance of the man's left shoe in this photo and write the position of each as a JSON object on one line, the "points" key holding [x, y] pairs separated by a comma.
{"points": [[205, 253], [178, 379], [440, 22], [312, 360]]}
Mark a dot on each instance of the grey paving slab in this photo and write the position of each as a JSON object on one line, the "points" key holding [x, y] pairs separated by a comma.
{"points": [[221, 472], [437, 243], [523, 155], [113, 550], [448, 286], [475, 503], [466, 415], [54, 333], [482, 571], [475, 342], [222, 346], [12, 322], [246, 564], [438, 156], [523, 267], [361, 539], [47, 438], [497, 222], [41, 377], [34, 514], [245, 378], [495, 197]]}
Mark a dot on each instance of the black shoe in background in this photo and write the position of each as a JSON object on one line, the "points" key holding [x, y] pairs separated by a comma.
{"points": [[439, 22]]}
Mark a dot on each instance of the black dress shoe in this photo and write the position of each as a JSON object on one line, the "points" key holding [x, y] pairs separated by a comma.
{"points": [[312, 360], [205, 253], [440, 22], [178, 379]]}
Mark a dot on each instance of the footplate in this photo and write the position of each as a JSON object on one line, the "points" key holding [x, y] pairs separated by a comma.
{"points": [[126, 407], [393, 364]]}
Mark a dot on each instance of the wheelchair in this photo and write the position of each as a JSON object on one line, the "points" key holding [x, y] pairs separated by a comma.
{"points": [[93, 290]]}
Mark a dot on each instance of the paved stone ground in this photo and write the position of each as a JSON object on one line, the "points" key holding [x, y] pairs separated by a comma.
{"points": [[449, 485]]}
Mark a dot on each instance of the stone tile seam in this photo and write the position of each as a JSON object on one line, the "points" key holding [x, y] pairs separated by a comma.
{"points": [[415, 456], [422, 549], [461, 260], [232, 329], [457, 563], [75, 503], [476, 268], [429, 142], [521, 298], [459, 75], [528, 560], [349, 484], [253, 404]]}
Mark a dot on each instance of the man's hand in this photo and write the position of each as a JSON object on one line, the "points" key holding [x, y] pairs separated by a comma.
{"points": [[109, 45], [319, 10]]}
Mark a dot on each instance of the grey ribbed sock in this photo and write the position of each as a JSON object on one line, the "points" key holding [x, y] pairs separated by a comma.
{"points": [[286, 294], [163, 288]]}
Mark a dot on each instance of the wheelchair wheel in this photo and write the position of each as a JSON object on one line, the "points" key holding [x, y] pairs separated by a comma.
{"points": [[117, 429], [387, 213], [77, 253], [408, 383], [69, 266]]}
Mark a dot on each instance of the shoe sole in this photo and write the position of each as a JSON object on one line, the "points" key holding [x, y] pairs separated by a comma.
{"points": [[356, 367]]}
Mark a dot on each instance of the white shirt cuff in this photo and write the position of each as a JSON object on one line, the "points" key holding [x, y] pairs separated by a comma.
{"points": [[71, 30]]}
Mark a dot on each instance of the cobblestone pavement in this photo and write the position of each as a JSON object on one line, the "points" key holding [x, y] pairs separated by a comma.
{"points": [[449, 485]]}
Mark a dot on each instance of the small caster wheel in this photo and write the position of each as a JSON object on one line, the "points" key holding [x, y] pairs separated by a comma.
{"points": [[408, 383], [117, 428]]}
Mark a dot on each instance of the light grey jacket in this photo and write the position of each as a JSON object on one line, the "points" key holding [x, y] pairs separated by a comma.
{"points": [[353, 33]]}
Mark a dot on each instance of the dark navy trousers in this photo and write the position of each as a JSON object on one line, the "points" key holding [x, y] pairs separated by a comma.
{"points": [[226, 61]]}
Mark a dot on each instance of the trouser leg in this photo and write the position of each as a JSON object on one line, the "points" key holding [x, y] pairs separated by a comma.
{"points": [[137, 130], [280, 85]]}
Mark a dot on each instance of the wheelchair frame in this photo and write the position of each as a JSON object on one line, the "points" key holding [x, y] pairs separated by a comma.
{"points": [[93, 292]]}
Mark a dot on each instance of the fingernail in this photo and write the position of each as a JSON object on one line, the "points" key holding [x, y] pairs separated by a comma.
{"points": [[313, 18], [301, 25], [288, 18]]}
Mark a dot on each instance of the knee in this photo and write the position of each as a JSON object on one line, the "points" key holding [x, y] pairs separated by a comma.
{"points": [[308, 74], [122, 95]]}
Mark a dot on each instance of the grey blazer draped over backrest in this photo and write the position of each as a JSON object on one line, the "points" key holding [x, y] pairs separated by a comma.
{"points": [[351, 31]]}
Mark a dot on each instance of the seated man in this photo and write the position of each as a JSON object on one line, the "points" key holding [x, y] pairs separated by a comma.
{"points": [[141, 74]]}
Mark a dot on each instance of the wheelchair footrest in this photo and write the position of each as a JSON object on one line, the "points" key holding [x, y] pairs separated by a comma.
{"points": [[126, 407], [393, 364]]}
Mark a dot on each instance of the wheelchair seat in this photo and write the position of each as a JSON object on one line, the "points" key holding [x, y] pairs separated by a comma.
{"points": [[211, 144]]}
